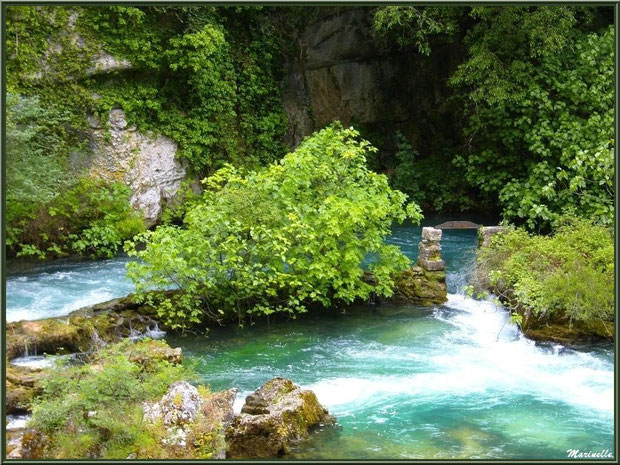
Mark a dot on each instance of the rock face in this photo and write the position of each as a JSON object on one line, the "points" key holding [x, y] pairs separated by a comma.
{"points": [[192, 419], [71, 42], [145, 162], [278, 413], [340, 71]]}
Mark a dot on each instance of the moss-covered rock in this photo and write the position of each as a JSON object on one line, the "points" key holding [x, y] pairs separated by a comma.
{"points": [[561, 330], [151, 352], [80, 330], [278, 413], [22, 384], [421, 287], [194, 420]]}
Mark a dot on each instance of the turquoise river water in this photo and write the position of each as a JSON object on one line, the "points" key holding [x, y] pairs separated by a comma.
{"points": [[452, 381]]}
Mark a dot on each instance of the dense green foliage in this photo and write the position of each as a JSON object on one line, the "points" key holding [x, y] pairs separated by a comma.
{"points": [[518, 120], [542, 113], [54, 210], [94, 410], [536, 86], [411, 25], [205, 76], [278, 239], [568, 274]]}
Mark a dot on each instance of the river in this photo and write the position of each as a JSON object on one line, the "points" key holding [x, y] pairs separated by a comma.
{"points": [[453, 381]]}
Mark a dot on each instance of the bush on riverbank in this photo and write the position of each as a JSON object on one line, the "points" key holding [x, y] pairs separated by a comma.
{"points": [[95, 410], [568, 276], [279, 239], [91, 217]]}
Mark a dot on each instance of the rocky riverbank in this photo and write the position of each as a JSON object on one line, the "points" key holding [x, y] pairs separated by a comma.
{"points": [[188, 421]]}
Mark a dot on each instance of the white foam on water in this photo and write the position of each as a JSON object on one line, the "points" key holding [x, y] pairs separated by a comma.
{"points": [[47, 293], [483, 354], [15, 422], [239, 401], [34, 361]]}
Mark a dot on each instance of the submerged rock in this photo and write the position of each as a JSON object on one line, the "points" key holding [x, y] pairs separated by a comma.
{"points": [[278, 413]]}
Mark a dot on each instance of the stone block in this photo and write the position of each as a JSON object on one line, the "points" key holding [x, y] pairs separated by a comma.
{"points": [[431, 234]]}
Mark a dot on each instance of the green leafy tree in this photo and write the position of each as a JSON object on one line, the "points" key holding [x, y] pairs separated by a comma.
{"points": [[416, 26], [541, 112], [536, 88], [279, 239]]}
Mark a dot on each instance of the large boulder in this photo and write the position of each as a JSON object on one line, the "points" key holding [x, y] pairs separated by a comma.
{"points": [[278, 413], [195, 420], [177, 407]]}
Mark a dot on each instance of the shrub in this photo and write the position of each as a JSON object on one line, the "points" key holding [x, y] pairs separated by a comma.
{"points": [[92, 217], [570, 273], [94, 410], [279, 239]]}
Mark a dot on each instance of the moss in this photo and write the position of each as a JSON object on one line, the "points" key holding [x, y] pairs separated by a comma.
{"points": [[22, 385], [419, 286], [77, 332]]}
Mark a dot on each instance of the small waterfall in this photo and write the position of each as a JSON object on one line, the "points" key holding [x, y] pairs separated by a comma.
{"points": [[154, 332], [97, 342], [29, 350]]}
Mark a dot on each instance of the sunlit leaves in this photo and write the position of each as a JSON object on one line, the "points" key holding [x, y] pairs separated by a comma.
{"points": [[278, 239]]}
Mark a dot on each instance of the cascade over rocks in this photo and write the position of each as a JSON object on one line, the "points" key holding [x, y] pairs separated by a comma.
{"points": [[82, 329], [556, 327], [278, 413]]}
